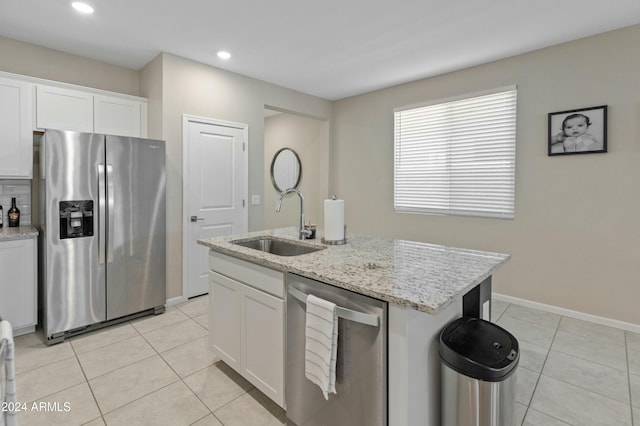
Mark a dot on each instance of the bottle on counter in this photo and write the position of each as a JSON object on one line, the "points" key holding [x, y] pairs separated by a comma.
{"points": [[0, 216], [14, 214]]}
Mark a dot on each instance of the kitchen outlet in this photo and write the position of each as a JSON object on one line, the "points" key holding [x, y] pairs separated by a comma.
{"points": [[255, 200]]}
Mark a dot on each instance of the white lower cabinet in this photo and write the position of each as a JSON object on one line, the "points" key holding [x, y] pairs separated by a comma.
{"points": [[263, 342], [226, 318], [247, 322], [18, 284]]}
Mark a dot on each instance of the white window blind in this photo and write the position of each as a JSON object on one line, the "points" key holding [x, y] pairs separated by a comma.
{"points": [[457, 157]]}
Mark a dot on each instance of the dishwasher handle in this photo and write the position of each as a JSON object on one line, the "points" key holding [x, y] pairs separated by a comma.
{"points": [[349, 314]]}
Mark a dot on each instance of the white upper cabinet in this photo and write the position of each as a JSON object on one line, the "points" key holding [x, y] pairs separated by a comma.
{"points": [[122, 117], [64, 109], [16, 139], [85, 111]]}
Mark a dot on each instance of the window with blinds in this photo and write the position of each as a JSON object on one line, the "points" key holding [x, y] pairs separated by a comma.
{"points": [[457, 157]]}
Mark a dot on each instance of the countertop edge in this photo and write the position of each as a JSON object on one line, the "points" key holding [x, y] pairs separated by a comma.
{"points": [[18, 233]]}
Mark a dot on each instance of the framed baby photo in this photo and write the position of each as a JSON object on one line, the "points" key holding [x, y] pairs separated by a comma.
{"points": [[578, 131]]}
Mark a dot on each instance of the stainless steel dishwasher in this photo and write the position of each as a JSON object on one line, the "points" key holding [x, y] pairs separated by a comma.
{"points": [[361, 365]]}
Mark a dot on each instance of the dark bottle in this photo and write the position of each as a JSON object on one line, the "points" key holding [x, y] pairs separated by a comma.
{"points": [[14, 214]]}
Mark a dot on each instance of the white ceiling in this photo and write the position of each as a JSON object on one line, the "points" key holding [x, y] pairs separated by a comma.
{"points": [[329, 48]]}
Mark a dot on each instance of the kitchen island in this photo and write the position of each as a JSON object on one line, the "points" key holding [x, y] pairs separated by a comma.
{"points": [[425, 285]]}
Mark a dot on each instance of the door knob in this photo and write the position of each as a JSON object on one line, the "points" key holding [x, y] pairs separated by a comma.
{"points": [[196, 218]]}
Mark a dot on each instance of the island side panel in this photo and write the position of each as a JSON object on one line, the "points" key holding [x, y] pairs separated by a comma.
{"points": [[477, 302], [414, 363]]}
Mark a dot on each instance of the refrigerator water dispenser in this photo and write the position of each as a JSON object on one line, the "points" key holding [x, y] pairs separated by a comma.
{"points": [[76, 219]]}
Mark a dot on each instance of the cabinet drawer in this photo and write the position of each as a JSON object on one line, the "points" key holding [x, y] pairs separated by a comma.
{"points": [[260, 277]]}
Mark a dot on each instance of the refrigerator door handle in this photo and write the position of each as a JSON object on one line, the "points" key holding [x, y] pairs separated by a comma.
{"points": [[110, 212], [102, 225]]}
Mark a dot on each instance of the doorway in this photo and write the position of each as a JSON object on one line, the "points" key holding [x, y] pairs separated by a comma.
{"points": [[215, 187]]}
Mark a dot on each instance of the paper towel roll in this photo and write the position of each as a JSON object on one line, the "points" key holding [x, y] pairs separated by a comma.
{"points": [[334, 220]]}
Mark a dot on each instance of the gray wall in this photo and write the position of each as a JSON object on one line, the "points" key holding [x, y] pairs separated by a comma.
{"points": [[193, 88], [151, 88], [575, 239], [309, 138], [36, 61]]}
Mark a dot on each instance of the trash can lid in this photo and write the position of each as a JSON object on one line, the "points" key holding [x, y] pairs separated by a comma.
{"points": [[479, 349]]}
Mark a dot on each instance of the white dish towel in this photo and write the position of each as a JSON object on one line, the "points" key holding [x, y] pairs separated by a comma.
{"points": [[321, 344], [7, 376]]}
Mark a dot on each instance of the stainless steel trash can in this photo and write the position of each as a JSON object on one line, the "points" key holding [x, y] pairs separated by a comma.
{"points": [[478, 362]]}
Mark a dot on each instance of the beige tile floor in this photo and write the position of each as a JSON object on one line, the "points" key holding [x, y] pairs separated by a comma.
{"points": [[158, 371], [152, 371], [572, 372]]}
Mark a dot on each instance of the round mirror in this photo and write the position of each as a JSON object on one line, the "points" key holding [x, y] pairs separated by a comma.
{"points": [[285, 169]]}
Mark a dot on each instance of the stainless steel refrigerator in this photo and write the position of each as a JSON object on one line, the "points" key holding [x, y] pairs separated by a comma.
{"points": [[103, 230]]}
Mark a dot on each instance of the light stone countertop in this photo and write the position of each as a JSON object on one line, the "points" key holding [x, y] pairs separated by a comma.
{"points": [[18, 233], [421, 276]]}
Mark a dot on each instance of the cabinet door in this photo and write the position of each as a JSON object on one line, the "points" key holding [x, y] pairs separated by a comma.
{"points": [[64, 109], [263, 343], [114, 116], [18, 284], [16, 138], [225, 296]]}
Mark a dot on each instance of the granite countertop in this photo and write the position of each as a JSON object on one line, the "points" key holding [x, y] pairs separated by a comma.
{"points": [[18, 233], [421, 276]]}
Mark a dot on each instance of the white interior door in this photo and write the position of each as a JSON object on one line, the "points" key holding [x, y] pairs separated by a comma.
{"points": [[215, 173]]}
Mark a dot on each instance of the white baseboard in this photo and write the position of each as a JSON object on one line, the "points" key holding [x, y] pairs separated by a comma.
{"points": [[176, 301], [568, 313], [23, 330]]}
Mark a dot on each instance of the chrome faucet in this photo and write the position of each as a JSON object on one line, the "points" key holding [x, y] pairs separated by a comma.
{"points": [[302, 233]]}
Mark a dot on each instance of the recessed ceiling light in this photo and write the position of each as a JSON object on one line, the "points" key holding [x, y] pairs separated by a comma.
{"points": [[82, 7], [224, 55]]}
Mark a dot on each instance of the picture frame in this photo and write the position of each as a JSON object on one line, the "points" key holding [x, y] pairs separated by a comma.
{"points": [[578, 131]]}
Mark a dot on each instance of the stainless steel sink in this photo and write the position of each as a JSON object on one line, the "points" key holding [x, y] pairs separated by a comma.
{"points": [[276, 246]]}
